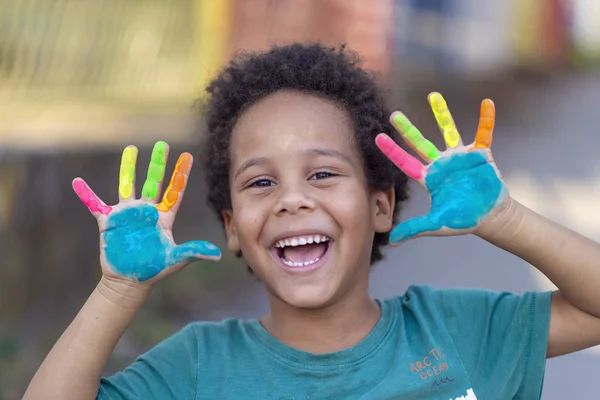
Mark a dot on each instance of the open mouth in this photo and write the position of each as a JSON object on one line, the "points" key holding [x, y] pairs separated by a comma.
{"points": [[302, 252]]}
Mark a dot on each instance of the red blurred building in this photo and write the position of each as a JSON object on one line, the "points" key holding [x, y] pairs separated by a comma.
{"points": [[365, 26]]}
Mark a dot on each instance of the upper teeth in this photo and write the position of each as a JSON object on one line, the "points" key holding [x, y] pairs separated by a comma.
{"points": [[301, 240]]}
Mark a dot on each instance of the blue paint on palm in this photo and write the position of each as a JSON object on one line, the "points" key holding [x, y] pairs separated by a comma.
{"points": [[138, 249], [464, 188]]}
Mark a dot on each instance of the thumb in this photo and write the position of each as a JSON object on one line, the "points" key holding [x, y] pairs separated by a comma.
{"points": [[413, 227], [193, 251]]}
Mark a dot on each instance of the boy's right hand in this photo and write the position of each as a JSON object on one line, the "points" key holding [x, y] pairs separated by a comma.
{"points": [[136, 239]]}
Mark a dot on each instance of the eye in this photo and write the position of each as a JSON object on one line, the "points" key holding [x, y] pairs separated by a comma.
{"points": [[322, 175], [261, 183]]}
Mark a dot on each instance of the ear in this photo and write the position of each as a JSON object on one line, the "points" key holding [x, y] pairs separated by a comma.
{"points": [[382, 205], [233, 243]]}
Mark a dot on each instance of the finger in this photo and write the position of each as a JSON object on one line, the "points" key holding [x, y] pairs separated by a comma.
{"points": [[407, 163], [156, 172], [89, 198], [444, 120], [174, 193], [413, 227], [413, 137], [485, 130], [193, 251], [127, 173]]}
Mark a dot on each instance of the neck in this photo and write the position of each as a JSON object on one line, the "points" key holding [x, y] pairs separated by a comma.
{"points": [[335, 327]]}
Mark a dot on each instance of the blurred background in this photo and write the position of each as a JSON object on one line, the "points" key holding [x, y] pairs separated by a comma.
{"points": [[81, 79]]}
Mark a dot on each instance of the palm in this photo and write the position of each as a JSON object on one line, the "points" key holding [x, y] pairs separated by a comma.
{"points": [[463, 183], [137, 247], [136, 239], [464, 188]]}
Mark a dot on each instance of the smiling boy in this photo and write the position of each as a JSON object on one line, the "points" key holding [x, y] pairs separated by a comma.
{"points": [[298, 168]]}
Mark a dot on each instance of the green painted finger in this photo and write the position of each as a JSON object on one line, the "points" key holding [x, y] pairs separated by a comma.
{"points": [[415, 138], [127, 172], [156, 170]]}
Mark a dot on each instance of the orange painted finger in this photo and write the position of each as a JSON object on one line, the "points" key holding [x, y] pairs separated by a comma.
{"points": [[174, 192], [485, 130]]}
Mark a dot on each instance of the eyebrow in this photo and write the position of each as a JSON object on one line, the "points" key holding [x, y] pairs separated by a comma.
{"points": [[249, 163], [324, 152], [318, 152]]}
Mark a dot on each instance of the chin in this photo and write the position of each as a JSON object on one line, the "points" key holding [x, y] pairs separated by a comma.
{"points": [[308, 298]]}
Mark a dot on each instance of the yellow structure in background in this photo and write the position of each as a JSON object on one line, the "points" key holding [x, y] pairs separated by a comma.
{"points": [[84, 73], [213, 36]]}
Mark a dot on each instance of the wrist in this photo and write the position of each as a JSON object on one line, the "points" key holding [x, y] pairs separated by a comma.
{"points": [[125, 294], [504, 224]]}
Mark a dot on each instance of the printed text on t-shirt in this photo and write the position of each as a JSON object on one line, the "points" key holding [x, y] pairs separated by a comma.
{"points": [[431, 365]]}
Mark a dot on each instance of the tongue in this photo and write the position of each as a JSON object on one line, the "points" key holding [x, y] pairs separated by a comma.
{"points": [[304, 253]]}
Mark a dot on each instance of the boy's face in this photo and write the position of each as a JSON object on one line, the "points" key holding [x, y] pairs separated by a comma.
{"points": [[302, 213]]}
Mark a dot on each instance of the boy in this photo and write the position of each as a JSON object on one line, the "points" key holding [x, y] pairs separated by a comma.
{"points": [[297, 170]]}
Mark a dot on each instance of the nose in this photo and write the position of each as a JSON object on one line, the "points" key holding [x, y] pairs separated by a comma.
{"points": [[293, 199]]}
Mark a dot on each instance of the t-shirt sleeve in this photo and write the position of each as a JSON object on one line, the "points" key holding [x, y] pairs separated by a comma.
{"points": [[167, 371], [501, 338]]}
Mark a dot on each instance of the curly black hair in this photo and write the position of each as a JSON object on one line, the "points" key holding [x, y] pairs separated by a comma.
{"points": [[309, 68]]}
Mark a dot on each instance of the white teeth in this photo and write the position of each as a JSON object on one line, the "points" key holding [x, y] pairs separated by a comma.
{"points": [[299, 264], [301, 240]]}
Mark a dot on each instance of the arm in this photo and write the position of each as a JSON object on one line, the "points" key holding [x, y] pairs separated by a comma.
{"points": [[136, 251], [570, 260], [73, 368], [469, 196]]}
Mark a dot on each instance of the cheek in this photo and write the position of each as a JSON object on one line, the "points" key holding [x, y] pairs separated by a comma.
{"points": [[350, 207], [248, 217]]}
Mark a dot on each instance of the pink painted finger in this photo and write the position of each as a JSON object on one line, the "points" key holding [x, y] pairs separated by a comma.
{"points": [[89, 198], [407, 163]]}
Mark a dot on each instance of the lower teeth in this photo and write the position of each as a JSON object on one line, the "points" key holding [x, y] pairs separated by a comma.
{"points": [[299, 264]]}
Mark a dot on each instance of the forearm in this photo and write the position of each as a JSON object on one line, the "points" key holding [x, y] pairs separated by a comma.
{"points": [[73, 368], [571, 261]]}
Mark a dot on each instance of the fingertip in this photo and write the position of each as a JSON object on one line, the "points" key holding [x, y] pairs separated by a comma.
{"points": [[184, 164], [395, 115], [488, 108], [130, 152], [435, 97], [129, 156], [160, 150], [401, 122], [384, 142], [382, 136], [210, 250], [78, 185]]}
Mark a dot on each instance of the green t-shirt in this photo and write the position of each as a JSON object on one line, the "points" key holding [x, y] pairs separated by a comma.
{"points": [[428, 344]]}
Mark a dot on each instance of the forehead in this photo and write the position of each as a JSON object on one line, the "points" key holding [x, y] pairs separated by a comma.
{"points": [[288, 121]]}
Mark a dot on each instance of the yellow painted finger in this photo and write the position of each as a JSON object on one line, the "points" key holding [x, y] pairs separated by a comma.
{"points": [[444, 120], [485, 130], [176, 187], [127, 172]]}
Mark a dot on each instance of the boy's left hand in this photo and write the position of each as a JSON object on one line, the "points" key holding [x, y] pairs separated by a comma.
{"points": [[464, 184]]}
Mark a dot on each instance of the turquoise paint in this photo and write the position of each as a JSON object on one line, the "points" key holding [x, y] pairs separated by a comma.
{"points": [[464, 188], [138, 249]]}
